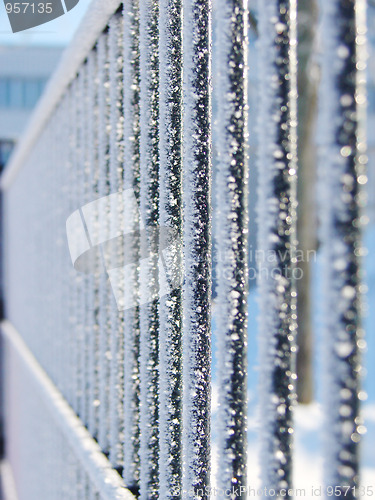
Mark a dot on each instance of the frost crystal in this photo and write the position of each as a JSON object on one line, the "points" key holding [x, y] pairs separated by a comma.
{"points": [[197, 246], [231, 238], [341, 141], [170, 310], [148, 278], [131, 74], [277, 182]]}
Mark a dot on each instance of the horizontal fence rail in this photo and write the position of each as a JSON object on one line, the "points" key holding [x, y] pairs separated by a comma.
{"points": [[55, 416], [125, 187]]}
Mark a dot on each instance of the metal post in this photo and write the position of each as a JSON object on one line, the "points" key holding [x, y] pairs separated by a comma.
{"points": [[197, 246], [149, 208], [231, 238], [277, 237], [131, 73], [170, 355], [342, 175]]}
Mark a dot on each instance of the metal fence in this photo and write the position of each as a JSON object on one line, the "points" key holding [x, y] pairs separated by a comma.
{"points": [[108, 254]]}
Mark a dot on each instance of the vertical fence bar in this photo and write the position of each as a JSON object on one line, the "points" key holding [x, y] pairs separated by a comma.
{"points": [[149, 209], [277, 237], [103, 222], [170, 356], [50, 226], [117, 214], [72, 272], [232, 228], [55, 226], [88, 167], [93, 172], [197, 246], [67, 274], [342, 175], [131, 73], [84, 280], [79, 190], [64, 258], [58, 227], [77, 331]]}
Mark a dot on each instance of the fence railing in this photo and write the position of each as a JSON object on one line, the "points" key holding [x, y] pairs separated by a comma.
{"points": [[108, 254]]}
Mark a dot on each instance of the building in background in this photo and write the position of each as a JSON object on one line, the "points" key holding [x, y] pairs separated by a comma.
{"points": [[24, 72]]}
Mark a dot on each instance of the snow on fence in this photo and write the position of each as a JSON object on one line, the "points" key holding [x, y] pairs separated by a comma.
{"points": [[109, 360], [277, 236], [342, 172]]}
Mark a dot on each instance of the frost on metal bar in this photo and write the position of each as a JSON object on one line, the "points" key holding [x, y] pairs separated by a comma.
{"points": [[55, 310], [103, 225], [116, 223], [89, 165], [62, 293], [83, 279], [93, 173], [58, 419], [342, 173], [131, 247], [197, 246], [276, 237], [149, 208], [50, 318], [71, 174], [77, 331], [170, 356], [66, 304], [232, 227]]}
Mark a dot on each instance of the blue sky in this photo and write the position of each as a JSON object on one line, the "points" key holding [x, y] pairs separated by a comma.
{"points": [[57, 32]]}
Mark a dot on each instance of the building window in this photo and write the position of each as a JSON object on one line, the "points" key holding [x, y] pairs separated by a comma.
{"points": [[16, 94], [32, 93], [6, 148], [20, 93], [4, 93]]}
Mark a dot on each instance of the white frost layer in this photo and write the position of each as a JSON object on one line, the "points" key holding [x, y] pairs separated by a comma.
{"points": [[84, 40], [106, 481], [339, 204], [273, 295], [231, 238]]}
